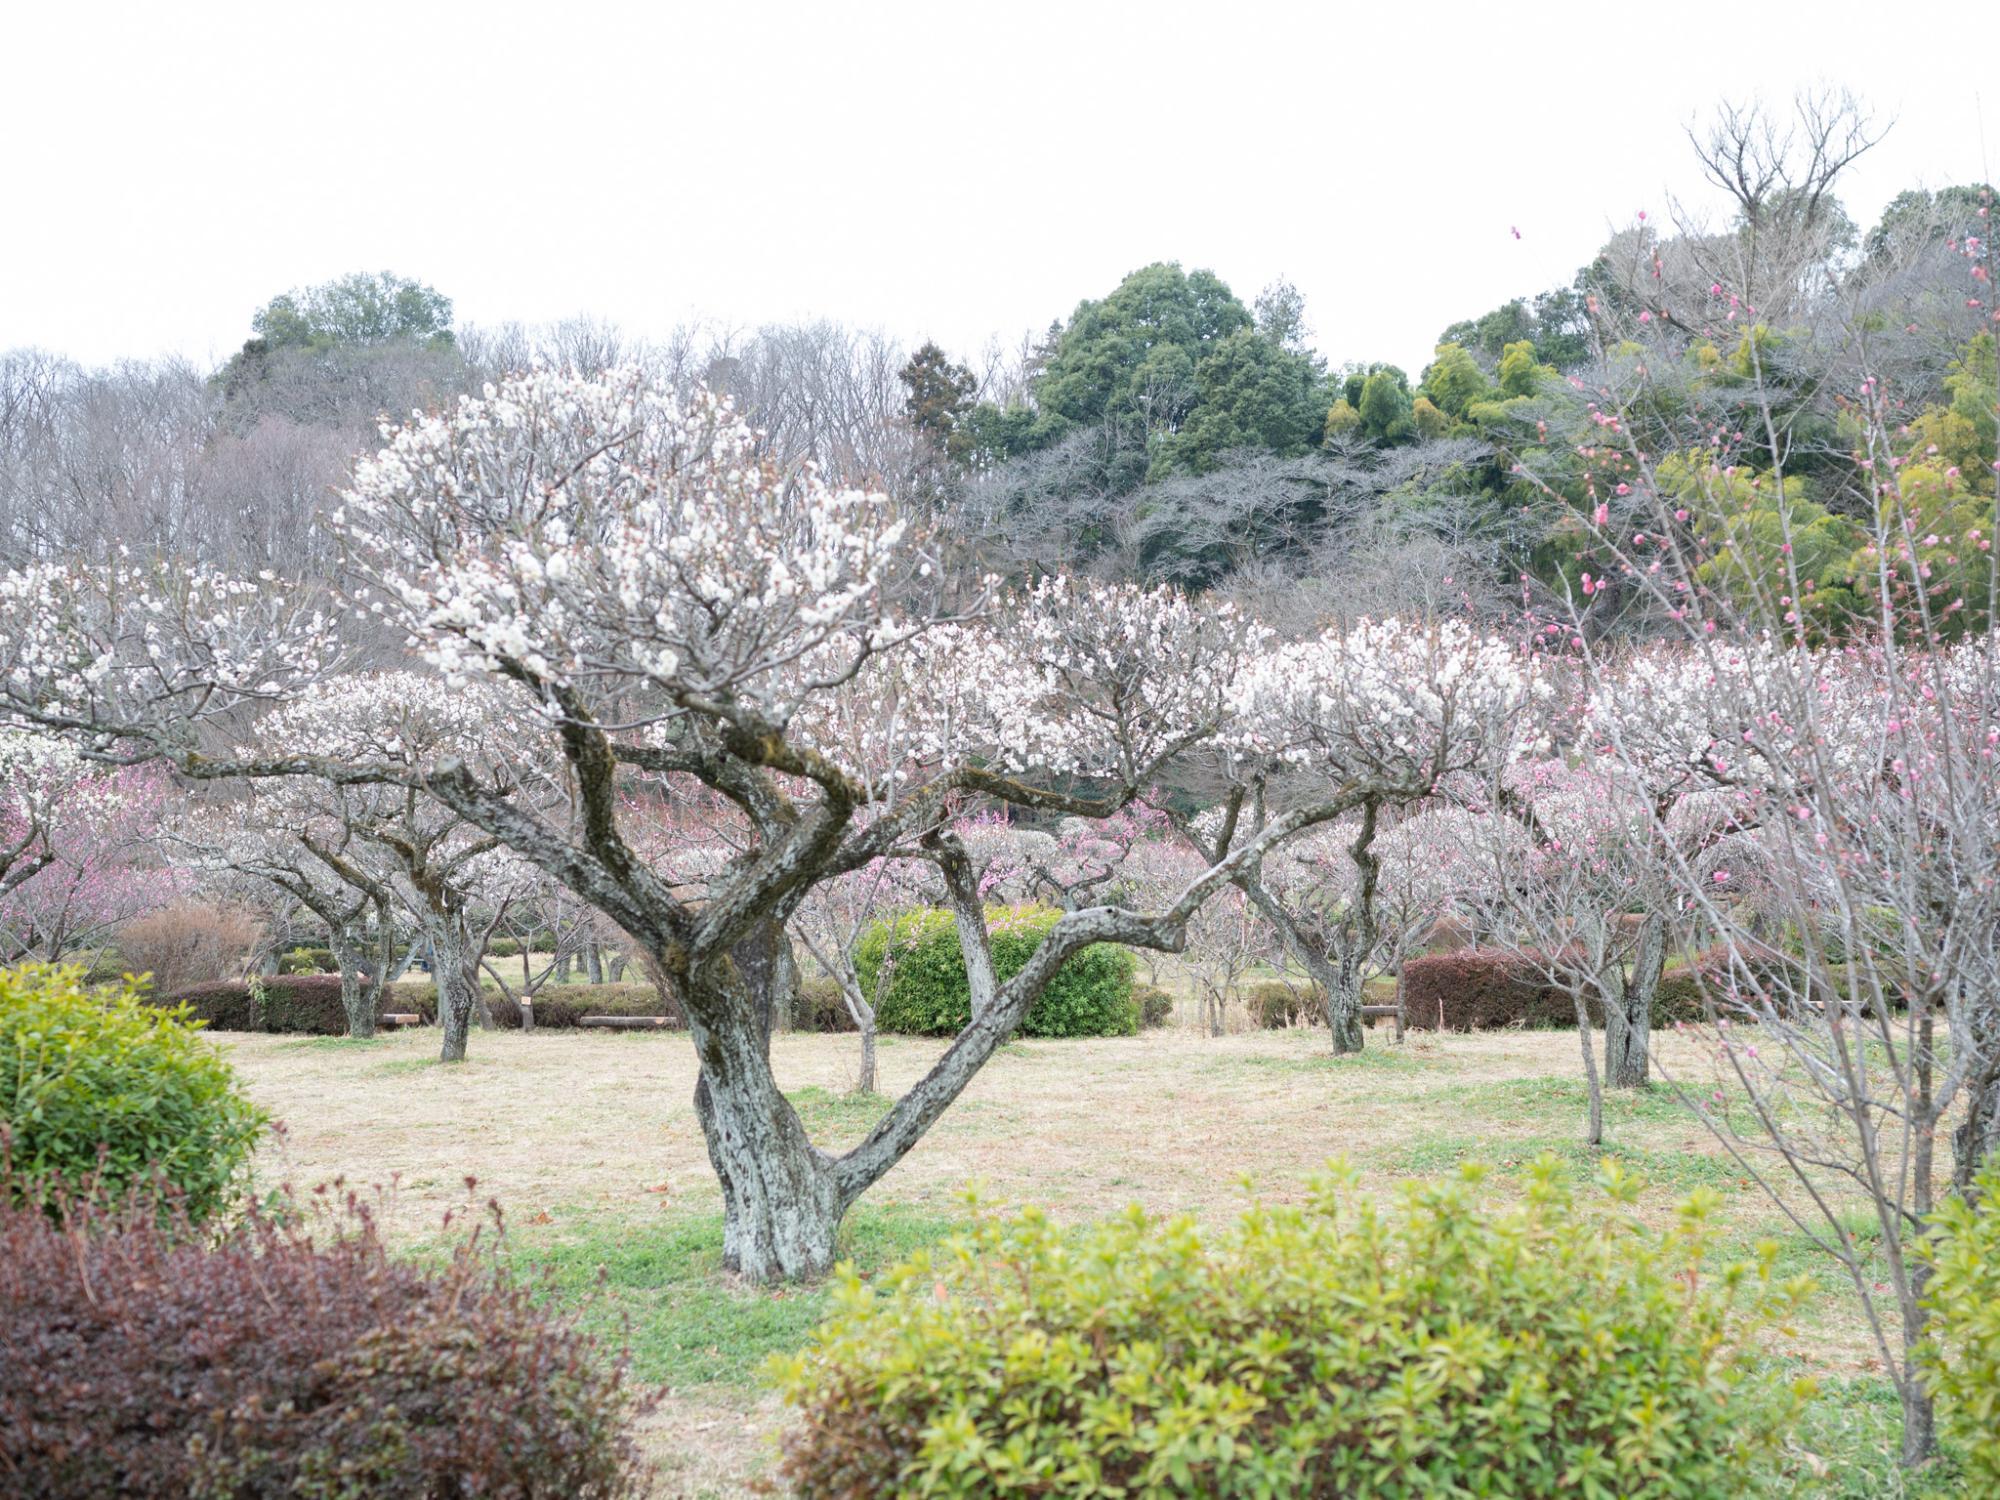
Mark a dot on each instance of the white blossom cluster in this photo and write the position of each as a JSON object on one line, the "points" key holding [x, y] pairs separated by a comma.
{"points": [[577, 528], [1399, 704], [82, 645]]}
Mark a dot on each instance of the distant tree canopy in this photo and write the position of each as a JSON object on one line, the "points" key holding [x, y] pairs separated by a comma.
{"points": [[1173, 371], [1167, 430], [938, 402], [360, 309], [361, 322]]}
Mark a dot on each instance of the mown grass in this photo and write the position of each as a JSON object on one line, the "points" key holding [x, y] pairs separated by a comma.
{"points": [[661, 1293], [591, 1143]]}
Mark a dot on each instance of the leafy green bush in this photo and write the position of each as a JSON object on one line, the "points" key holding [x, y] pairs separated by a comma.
{"points": [[309, 961], [1963, 1358], [1156, 1006], [1329, 1349], [98, 1085], [1090, 995], [109, 967]]}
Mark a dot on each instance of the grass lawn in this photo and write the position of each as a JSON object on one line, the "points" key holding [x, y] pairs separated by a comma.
{"points": [[590, 1144]]}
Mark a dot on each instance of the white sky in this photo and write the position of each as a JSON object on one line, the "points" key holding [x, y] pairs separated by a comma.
{"points": [[930, 169]]}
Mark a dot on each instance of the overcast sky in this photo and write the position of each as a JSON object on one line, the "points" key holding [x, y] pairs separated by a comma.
{"points": [[931, 169]]}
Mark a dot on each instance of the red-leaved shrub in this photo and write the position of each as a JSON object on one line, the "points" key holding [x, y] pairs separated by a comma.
{"points": [[1481, 989], [1486, 989], [293, 1357], [300, 1003]]}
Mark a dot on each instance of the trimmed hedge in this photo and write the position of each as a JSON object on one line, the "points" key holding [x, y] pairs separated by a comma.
{"points": [[1486, 989], [292, 1356], [562, 1007], [309, 961], [102, 1090], [1435, 1347], [302, 1003], [1481, 989], [928, 995]]}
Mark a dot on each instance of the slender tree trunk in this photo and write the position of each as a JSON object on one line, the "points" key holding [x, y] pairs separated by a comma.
{"points": [[1343, 1001], [358, 999], [457, 985], [1912, 1391], [402, 965], [1593, 1125], [616, 968], [562, 965], [1628, 1007], [865, 1084], [593, 962]]}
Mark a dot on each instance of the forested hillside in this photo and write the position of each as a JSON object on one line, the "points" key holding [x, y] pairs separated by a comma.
{"points": [[1169, 428]]}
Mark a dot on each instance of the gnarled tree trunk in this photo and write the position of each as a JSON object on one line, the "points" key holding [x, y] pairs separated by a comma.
{"points": [[781, 1205], [360, 993], [1628, 1007], [457, 974]]}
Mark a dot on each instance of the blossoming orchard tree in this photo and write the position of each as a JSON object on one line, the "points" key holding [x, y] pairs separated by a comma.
{"points": [[1825, 736], [659, 604], [452, 877], [1394, 711], [281, 838], [78, 842], [36, 772]]}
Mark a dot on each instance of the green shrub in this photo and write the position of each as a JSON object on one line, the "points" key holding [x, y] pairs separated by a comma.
{"points": [[99, 1085], [1155, 1005], [108, 967], [1273, 1006], [309, 961], [1963, 1357], [1329, 1349], [1090, 995]]}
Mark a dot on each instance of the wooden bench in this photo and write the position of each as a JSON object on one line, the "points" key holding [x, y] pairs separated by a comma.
{"points": [[395, 1019], [1396, 1011], [625, 1023]]}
